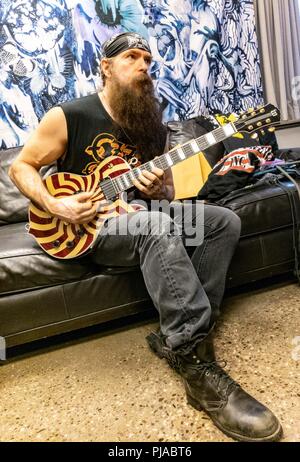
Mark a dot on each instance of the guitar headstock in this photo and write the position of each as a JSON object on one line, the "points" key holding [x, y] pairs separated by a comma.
{"points": [[257, 119]]}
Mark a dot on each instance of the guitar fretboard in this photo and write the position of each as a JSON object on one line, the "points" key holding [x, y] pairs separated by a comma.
{"points": [[114, 186]]}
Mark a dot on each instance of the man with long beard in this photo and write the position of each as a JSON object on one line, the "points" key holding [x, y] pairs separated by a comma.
{"points": [[185, 284]]}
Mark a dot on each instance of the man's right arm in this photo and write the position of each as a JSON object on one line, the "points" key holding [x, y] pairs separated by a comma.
{"points": [[47, 144]]}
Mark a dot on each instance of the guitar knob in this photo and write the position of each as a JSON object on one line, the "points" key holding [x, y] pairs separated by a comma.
{"points": [[56, 243], [70, 244], [80, 232]]}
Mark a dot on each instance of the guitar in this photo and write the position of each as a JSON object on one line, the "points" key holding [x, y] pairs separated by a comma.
{"points": [[112, 177]]}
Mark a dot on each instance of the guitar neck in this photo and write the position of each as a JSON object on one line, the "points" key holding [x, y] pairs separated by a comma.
{"points": [[124, 181]]}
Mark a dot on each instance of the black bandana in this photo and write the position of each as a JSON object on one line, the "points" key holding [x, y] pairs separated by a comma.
{"points": [[122, 42]]}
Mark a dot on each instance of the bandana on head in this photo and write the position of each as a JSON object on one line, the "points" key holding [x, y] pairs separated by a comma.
{"points": [[122, 42]]}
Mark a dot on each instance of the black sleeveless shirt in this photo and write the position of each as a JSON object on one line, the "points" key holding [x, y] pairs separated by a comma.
{"points": [[93, 136]]}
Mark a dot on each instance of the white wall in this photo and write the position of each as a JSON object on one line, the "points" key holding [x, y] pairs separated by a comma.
{"points": [[288, 137]]}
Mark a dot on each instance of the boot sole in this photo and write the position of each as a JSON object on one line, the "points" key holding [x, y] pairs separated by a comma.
{"points": [[236, 436]]}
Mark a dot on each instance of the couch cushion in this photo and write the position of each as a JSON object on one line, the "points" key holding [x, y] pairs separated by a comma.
{"points": [[25, 266], [13, 205]]}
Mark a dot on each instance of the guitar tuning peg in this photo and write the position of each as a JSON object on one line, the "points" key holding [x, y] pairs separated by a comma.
{"points": [[271, 129], [251, 109], [254, 136], [262, 132], [262, 110]]}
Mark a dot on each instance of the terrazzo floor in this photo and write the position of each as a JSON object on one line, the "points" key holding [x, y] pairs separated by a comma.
{"points": [[106, 385]]}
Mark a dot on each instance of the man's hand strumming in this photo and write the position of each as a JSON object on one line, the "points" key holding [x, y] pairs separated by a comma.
{"points": [[78, 208]]}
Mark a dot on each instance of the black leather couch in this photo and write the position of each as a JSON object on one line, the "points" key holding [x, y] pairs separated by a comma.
{"points": [[41, 296]]}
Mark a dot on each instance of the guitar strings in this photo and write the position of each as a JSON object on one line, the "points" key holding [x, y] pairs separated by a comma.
{"points": [[116, 184]]}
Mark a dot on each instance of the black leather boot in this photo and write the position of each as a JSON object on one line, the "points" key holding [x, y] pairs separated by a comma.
{"points": [[209, 388]]}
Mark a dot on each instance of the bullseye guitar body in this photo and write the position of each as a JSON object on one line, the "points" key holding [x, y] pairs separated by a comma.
{"points": [[66, 240]]}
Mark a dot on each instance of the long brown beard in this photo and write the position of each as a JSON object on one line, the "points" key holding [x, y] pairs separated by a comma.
{"points": [[136, 110]]}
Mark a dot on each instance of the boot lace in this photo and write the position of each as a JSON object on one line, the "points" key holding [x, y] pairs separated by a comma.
{"points": [[221, 381]]}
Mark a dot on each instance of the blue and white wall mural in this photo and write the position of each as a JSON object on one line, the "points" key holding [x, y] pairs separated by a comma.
{"points": [[205, 55]]}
